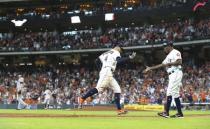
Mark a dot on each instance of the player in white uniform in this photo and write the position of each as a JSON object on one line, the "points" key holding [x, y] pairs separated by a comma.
{"points": [[109, 62], [172, 63], [47, 98], [20, 88]]}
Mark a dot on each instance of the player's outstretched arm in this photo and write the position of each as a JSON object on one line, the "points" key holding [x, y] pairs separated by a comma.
{"points": [[123, 59], [177, 62], [153, 67]]}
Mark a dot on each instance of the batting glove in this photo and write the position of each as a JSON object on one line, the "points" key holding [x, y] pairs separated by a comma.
{"points": [[132, 55]]}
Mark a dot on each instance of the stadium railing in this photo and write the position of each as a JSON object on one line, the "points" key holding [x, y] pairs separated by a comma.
{"points": [[102, 49], [203, 106]]}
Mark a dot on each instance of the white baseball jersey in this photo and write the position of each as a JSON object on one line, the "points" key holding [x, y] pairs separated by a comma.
{"points": [[109, 63], [108, 59], [20, 84], [172, 57], [47, 94], [175, 74]]}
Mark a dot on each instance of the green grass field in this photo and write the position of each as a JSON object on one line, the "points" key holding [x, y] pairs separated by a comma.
{"points": [[100, 120]]}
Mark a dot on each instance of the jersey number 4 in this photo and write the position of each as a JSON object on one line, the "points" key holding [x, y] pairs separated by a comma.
{"points": [[106, 54]]}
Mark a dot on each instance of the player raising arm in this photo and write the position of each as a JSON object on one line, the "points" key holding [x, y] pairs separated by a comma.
{"points": [[172, 63], [108, 62]]}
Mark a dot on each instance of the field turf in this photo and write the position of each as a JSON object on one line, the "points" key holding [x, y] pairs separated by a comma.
{"points": [[77, 119]]}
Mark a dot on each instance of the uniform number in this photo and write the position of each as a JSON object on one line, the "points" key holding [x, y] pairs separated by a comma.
{"points": [[106, 54]]}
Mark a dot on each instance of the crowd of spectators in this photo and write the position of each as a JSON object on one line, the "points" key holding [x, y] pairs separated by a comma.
{"points": [[148, 34], [69, 83]]}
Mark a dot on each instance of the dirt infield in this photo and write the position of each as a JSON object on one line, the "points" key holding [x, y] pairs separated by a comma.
{"points": [[9, 115], [89, 108], [99, 108]]}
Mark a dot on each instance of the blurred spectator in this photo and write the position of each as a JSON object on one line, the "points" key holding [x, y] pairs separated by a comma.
{"points": [[69, 83], [88, 39]]}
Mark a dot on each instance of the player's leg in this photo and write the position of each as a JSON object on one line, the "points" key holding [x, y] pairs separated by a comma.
{"points": [[169, 95], [21, 103], [117, 92], [168, 99], [47, 103], [167, 106], [91, 92], [168, 103], [179, 108], [102, 82], [176, 88], [54, 102]]}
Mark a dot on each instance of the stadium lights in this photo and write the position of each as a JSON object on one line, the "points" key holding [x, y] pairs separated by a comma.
{"points": [[47, 16], [75, 19], [130, 8], [77, 11], [88, 12], [109, 16], [3, 18], [21, 64], [29, 63], [19, 23], [70, 12], [29, 14]]}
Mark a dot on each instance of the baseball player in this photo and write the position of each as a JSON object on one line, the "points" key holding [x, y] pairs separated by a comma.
{"points": [[108, 62], [20, 88], [47, 97], [172, 63]]}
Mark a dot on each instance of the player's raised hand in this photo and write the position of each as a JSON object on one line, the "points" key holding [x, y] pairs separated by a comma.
{"points": [[132, 55]]}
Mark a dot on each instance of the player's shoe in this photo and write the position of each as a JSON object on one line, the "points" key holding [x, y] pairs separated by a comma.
{"points": [[163, 114], [121, 112], [81, 101], [178, 115]]}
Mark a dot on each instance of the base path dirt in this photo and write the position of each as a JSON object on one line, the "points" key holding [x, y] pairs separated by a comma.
{"points": [[7, 115], [92, 108]]}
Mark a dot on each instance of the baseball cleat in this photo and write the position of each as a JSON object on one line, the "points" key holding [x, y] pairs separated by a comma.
{"points": [[163, 114], [178, 115], [122, 112]]}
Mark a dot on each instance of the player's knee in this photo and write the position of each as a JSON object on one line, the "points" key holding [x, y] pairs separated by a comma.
{"points": [[117, 96], [98, 89], [117, 90]]}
